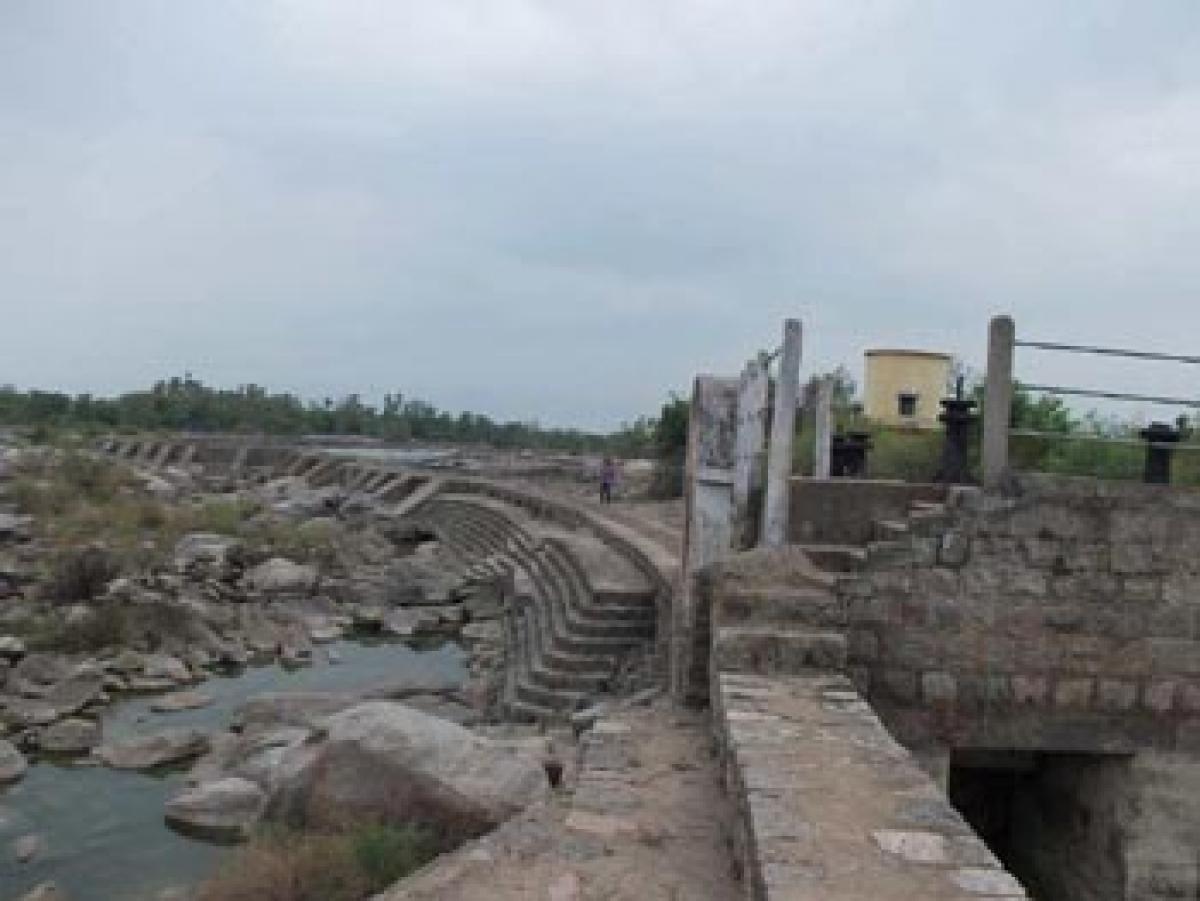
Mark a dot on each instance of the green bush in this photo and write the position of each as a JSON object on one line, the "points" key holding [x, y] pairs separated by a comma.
{"points": [[348, 865], [387, 853], [81, 573], [908, 455], [106, 626]]}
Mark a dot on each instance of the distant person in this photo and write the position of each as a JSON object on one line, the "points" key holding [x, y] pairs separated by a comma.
{"points": [[608, 480]]}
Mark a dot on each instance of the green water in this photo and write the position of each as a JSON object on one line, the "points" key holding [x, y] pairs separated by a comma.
{"points": [[104, 832]]}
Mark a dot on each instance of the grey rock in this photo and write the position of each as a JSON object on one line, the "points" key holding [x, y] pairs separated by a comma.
{"points": [[70, 736], [151, 751], [387, 760], [221, 810], [11, 647], [15, 527], [27, 847], [46, 891], [203, 548], [180, 700], [44, 668], [254, 755], [164, 666], [280, 575], [29, 712], [127, 662], [408, 621], [275, 709], [74, 693], [12, 763], [417, 581]]}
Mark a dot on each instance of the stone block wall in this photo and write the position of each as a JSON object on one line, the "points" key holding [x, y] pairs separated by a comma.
{"points": [[1063, 617]]}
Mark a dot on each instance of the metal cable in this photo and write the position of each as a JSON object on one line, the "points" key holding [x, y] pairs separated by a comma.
{"points": [[1112, 395], [1105, 439], [1110, 352]]}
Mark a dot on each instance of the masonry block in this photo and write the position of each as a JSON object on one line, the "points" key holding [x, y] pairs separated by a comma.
{"points": [[1159, 697], [1073, 693], [1030, 690], [939, 688], [1116, 695]]}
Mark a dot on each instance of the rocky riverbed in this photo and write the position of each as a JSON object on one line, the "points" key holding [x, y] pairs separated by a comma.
{"points": [[136, 608]]}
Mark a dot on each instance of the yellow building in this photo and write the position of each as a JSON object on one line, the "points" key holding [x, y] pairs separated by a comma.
{"points": [[904, 387]]}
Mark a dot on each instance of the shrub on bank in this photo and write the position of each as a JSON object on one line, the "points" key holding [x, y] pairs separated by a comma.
{"points": [[347, 865]]}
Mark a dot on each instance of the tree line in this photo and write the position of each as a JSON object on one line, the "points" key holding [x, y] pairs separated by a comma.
{"points": [[187, 404]]}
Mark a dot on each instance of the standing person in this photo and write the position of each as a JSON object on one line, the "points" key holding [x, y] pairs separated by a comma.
{"points": [[608, 480]]}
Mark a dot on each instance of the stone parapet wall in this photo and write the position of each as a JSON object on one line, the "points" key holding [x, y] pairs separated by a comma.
{"points": [[830, 806], [1061, 617]]}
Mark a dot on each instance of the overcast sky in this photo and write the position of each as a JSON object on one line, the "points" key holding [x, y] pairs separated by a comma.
{"points": [[562, 210]]}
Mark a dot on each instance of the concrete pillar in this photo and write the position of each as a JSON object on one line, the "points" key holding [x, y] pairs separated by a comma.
{"points": [[824, 428], [783, 427], [997, 401], [749, 443], [708, 521]]}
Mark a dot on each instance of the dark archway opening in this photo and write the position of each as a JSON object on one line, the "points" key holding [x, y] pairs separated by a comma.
{"points": [[1053, 819]]}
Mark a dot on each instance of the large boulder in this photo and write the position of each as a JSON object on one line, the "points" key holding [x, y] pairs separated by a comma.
{"points": [[282, 576], [148, 752], [386, 761], [221, 810]]}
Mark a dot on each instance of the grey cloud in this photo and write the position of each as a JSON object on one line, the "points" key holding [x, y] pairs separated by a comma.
{"points": [[562, 210]]}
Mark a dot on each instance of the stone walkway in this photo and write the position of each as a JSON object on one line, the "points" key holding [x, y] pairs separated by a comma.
{"points": [[643, 819]]}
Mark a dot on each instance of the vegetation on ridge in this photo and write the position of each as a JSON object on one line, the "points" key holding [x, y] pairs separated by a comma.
{"points": [[186, 404]]}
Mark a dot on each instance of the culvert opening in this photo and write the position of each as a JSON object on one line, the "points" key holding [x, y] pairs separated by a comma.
{"points": [[1053, 819]]}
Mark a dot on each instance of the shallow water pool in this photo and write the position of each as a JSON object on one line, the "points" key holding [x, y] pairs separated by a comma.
{"points": [[103, 829]]}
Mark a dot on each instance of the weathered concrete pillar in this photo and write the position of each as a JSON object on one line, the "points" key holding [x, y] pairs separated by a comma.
{"points": [[997, 400], [749, 443], [824, 428], [708, 525], [783, 427]]}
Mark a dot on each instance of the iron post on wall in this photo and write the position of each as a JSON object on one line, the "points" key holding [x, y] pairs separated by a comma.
{"points": [[959, 416], [1160, 439], [849, 454]]}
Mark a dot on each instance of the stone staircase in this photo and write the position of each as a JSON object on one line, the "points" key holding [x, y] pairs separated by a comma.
{"points": [[782, 613], [576, 612], [922, 521]]}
